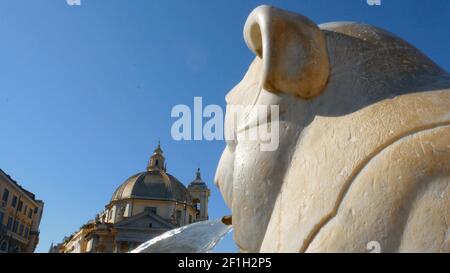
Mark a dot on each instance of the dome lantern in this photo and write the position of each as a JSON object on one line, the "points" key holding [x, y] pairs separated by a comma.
{"points": [[157, 160]]}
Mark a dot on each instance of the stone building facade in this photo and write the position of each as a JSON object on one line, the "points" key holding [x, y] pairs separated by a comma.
{"points": [[20, 216]]}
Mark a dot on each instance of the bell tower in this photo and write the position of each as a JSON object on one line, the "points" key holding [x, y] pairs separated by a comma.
{"points": [[200, 195]]}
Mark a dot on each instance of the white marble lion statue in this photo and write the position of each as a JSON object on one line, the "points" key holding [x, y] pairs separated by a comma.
{"points": [[363, 160]]}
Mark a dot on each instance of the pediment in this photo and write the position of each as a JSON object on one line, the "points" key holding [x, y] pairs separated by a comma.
{"points": [[145, 220]]}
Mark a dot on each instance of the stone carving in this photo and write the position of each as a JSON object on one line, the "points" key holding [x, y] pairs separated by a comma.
{"points": [[364, 154]]}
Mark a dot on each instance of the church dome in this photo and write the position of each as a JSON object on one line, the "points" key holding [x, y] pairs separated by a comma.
{"points": [[153, 184]]}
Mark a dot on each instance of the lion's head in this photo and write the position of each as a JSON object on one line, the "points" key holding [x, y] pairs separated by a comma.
{"points": [[345, 91]]}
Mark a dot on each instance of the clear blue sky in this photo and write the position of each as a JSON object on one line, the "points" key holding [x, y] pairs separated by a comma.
{"points": [[86, 91]]}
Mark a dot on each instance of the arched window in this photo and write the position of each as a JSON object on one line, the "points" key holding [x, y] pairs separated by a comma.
{"points": [[156, 162]]}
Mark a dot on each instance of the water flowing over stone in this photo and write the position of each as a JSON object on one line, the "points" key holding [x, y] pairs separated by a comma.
{"points": [[199, 237]]}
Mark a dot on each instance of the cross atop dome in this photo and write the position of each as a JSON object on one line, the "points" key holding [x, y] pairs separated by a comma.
{"points": [[158, 149]]}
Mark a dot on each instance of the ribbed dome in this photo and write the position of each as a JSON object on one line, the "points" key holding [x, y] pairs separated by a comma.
{"points": [[152, 184]]}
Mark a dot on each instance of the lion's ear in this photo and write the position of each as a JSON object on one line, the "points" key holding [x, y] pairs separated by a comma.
{"points": [[293, 51]]}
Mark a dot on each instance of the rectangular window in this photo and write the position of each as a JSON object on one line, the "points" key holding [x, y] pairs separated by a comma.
{"points": [[14, 201], [151, 209], [3, 246], [25, 210], [30, 213], [190, 219], [19, 207], [9, 224], [179, 216], [35, 210], [5, 195], [27, 232], [15, 226], [1, 218], [21, 229]]}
